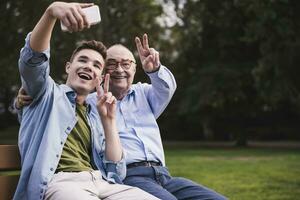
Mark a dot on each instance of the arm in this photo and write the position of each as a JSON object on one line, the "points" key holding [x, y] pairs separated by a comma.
{"points": [[163, 84], [106, 106], [33, 63], [20, 101]]}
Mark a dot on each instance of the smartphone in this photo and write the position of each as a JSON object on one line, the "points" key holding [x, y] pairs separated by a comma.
{"points": [[92, 14]]}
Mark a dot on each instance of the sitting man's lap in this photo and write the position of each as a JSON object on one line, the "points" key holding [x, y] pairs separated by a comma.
{"points": [[91, 186], [158, 182]]}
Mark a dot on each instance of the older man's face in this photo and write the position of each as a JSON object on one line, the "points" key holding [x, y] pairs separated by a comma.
{"points": [[120, 64]]}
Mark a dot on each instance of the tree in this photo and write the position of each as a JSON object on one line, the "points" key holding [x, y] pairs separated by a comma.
{"points": [[232, 60]]}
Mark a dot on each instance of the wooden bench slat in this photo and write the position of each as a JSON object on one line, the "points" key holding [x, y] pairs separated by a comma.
{"points": [[9, 157]]}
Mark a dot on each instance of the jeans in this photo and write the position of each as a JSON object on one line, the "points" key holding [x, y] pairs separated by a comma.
{"points": [[157, 181]]}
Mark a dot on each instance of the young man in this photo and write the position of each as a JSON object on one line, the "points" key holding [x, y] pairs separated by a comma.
{"points": [[61, 140]]}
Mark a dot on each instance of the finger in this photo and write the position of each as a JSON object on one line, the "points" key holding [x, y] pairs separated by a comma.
{"points": [[26, 103], [106, 83], [67, 23], [114, 100], [145, 41], [138, 45], [148, 60], [25, 97], [110, 100], [22, 91], [84, 18], [78, 17], [156, 59], [108, 96], [72, 20], [152, 52], [102, 100], [85, 5]]}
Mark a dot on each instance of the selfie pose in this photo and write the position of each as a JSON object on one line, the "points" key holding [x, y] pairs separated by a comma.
{"points": [[61, 137]]}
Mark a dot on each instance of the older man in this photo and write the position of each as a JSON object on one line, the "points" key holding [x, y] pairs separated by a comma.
{"points": [[138, 107]]}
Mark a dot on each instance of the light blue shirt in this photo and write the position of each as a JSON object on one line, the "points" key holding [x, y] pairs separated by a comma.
{"points": [[137, 113], [46, 123]]}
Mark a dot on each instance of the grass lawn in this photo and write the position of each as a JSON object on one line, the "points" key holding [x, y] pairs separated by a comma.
{"points": [[240, 174]]}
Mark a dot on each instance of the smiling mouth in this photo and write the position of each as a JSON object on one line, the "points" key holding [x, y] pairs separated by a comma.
{"points": [[84, 76], [118, 77]]}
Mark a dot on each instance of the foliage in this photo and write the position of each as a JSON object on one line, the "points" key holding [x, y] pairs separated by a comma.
{"points": [[235, 61]]}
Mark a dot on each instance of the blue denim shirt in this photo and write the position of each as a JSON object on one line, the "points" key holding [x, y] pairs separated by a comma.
{"points": [[46, 123], [137, 113]]}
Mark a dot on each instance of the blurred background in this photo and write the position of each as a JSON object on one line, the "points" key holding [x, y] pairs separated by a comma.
{"points": [[236, 62]]}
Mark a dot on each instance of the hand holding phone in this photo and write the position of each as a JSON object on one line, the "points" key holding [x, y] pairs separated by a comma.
{"points": [[92, 14]]}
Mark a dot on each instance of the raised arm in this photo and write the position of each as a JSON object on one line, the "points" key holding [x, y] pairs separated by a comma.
{"points": [[34, 57], [163, 84], [69, 13], [106, 106]]}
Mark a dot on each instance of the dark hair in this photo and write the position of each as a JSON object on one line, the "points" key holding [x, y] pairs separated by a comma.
{"points": [[92, 44]]}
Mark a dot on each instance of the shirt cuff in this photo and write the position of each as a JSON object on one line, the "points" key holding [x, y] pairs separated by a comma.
{"points": [[159, 74], [31, 57], [116, 171]]}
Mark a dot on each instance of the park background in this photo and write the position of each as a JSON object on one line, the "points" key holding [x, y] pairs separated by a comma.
{"points": [[236, 63]]}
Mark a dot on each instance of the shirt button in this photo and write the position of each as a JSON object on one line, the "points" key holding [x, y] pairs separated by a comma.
{"points": [[61, 143], [44, 183], [57, 155], [42, 190], [51, 169], [69, 128]]}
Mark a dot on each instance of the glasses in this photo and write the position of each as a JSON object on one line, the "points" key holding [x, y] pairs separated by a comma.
{"points": [[113, 64]]}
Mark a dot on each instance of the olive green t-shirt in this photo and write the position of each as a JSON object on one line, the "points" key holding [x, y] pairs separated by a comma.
{"points": [[76, 154]]}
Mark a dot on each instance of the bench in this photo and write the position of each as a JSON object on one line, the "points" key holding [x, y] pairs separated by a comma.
{"points": [[9, 170]]}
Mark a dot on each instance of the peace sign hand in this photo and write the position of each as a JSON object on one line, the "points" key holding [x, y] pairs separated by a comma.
{"points": [[106, 103], [149, 56]]}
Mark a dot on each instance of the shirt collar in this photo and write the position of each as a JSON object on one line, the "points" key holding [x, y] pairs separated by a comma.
{"points": [[131, 90], [71, 94]]}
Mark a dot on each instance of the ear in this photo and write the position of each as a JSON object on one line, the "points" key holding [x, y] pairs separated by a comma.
{"points": [[67, 67]]}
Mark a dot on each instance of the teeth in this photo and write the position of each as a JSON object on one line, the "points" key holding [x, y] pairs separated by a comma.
{"points": [[84, 76], [118, 77]]}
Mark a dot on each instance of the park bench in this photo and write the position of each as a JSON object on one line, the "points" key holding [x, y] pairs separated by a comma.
{"points": [[9, 170]]}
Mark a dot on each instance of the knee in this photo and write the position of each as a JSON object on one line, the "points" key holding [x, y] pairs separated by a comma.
{"points": [[143, 195]]}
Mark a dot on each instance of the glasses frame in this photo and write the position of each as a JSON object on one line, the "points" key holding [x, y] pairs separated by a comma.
{"points": [[118, 63]]}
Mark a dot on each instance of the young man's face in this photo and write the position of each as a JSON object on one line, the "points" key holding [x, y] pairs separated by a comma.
{"points": [[82, 72], [120, 64]]}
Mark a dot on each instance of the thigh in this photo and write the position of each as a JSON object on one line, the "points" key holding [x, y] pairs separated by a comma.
{"points": [[149, 185], [71, 191], [124, 192], [183, 188]]}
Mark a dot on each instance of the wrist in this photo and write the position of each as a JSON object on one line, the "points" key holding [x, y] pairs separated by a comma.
{"points": [[155, 69], [107, 121]]}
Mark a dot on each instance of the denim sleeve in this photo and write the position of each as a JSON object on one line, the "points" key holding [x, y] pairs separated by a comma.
{"points": [[161, 90], [34, 69], [116, 171]]}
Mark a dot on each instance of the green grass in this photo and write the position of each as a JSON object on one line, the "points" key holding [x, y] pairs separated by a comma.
{"points": [[240, 174]]}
